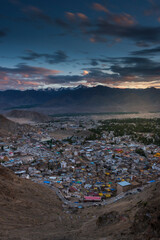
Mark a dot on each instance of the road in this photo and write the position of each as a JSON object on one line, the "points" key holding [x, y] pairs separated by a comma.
{"points": [[103, 203], [88, 204]]}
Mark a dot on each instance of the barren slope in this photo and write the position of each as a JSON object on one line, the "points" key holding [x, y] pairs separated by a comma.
{"points": [[29, 211]]}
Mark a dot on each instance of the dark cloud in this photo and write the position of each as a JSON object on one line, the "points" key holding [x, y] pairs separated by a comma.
{"points": [[154, 8], [94, 62], [135, 66], [61, 23], [74, 23], [3, 32], [121, 70], [23, 76], [63, 79], [119, 27], [142, 44], [25, 69], [123, 19], [96, 38], [125, 69], [151, 51], [37, 14], [135, 33], [91, 76], [57, 57]]}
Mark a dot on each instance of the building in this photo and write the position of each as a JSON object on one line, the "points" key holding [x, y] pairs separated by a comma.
{"points": [[123, 187], [92, 199]]}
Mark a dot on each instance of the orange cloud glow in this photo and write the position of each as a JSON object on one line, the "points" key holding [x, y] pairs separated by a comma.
{"points": [[124, 19], [93, 40], [44, 71], [85, 72], [70, 16], [99, 7], [82, 16], [30, 83]]}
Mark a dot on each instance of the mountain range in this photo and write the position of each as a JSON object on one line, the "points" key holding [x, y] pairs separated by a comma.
{"points": [[82, 99]]}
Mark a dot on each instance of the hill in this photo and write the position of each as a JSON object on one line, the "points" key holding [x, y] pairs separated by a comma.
{"points": [[8, 127], [30, 115], [32, 211], [29, 210], [82, 99], [136, 217]]}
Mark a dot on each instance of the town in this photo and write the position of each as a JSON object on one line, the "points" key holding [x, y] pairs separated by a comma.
{"points": [[84, 160]]}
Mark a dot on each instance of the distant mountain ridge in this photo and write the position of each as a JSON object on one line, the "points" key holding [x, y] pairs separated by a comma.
{"points": [[82, 99]]}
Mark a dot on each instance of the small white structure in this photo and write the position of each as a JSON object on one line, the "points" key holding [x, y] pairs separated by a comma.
{"points": [[63, 164]]}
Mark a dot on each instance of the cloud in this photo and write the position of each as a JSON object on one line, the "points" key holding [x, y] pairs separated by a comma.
{"points": [[118, 26], [94, 62], [96, 38], [142, 44], [71, 16], [37, 14], [99, 7], [63, 79], [123, 19], [154, 9], [115, 26], [82, 16], [57, 57], [90, 76], [23, 76], [25, 69], [135, 32], [85, 72], [118, 72], [136, 66], [61, 23], [151, 51], [3, 32], [75, 17]]}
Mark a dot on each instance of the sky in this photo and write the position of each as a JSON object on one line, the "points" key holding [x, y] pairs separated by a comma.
{"points": [[66, 43]]}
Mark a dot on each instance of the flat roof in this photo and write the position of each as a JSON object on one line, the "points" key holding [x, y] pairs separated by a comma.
{"points": [[92, 198], [124, 183]]}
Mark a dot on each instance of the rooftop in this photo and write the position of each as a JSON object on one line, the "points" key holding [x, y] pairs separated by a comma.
{"points": [[124, 183]]}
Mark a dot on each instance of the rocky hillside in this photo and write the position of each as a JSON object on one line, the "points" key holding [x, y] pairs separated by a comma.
{"points": [[28, 210], [32, 211], [8, 127], [135, 218]]}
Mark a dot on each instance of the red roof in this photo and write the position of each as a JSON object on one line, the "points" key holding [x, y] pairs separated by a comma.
{"points": [[72, 189], [92, 198]]}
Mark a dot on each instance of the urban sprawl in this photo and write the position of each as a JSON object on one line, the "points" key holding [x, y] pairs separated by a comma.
{"points": [[86, 160]]}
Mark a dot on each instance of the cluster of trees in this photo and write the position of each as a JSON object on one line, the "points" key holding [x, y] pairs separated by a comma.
{"points": [[136, 128]]}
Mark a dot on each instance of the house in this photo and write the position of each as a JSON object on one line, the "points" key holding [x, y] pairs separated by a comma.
{"points": [[123, 187], [92, 199], [63, 164]]}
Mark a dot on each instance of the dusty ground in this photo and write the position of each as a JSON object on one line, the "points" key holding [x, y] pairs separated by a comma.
{"points": [[33, 212], [124, 116], [21, 120], [62, 134]]}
